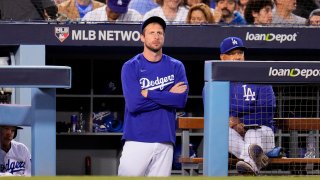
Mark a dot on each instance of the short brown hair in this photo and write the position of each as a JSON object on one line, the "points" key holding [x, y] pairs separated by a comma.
{"points": [[206, 10], [160, 2], [315, 12], [255, 6]]}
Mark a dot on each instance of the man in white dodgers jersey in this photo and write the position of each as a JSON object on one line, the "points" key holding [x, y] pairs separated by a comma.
{"points": [[154, 86], [15, 158]]}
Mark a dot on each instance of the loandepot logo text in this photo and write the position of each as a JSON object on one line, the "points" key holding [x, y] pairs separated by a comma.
{"points": [[271, 37], [294, 72]]}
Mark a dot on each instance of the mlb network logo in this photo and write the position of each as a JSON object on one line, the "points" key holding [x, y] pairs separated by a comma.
{"points": [[62, 33]]}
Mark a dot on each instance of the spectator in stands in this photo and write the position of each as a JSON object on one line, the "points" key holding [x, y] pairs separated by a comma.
{"points": [[314, 18], [283, 13], [241, 6], [317, 2], [114, 11], [250, 104], [15, 157], [304, 8], [259, 12], [142, 6], [76, 9], [200, 14], [190, 3], [225, 13], [172, 11], [26, 10], [59, 1]]}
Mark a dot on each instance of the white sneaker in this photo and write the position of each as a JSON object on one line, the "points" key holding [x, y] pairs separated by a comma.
{"points": [[257, 155], [245, 168]]}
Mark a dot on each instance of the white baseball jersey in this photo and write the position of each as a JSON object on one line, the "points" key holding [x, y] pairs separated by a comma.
{"points": [[180, 18], [100, 14], [17, 161]]}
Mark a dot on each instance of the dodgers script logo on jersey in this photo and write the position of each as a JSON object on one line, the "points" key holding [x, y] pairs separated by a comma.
{"points": [[248, 94], [13, 167], [158, 83]]}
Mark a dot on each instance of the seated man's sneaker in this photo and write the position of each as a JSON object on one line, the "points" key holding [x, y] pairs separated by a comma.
{"points": [[257, 155], [245, 168]]}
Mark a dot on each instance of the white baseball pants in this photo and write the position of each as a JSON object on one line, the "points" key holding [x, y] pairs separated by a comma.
{"points": [[146, 159], [238, 145]]}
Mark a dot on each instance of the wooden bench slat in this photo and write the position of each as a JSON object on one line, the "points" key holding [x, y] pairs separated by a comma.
{"points": [[191, 122], [298, 123], [294, 160], [271, 160], [191, 160], [282, 123]]}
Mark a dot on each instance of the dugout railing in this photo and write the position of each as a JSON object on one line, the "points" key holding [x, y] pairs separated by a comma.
{"points": [[35, 103], [40, 113]]}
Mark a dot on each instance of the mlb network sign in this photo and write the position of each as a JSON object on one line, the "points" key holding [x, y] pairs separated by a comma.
{"points": [[62, 33], [293, 72]]}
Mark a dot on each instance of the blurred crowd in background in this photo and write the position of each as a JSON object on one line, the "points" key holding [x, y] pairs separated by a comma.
{"points": [[226, 12]]}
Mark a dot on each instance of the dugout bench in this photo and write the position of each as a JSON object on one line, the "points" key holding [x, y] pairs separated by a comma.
{"points": [[194, 166]]}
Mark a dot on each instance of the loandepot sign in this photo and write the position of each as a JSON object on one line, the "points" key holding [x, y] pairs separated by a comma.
{"points": [[294, 72], [271, 37]]}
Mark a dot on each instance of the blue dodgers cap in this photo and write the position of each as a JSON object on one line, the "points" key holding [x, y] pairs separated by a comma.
{"points": [[118, 6], [231, 43], [154, 19]]}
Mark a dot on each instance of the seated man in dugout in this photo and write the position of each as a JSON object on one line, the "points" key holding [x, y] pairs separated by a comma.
{"points": [[252, 106], [15, 157]]}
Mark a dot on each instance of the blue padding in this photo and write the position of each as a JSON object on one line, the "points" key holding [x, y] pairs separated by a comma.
{"points": [[275, 152], [44, 132], [216, 115], [20, 115]]}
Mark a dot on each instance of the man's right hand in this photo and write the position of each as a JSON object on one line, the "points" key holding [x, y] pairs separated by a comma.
{"points": [[235, 123], [240, 129], [179, 88], [217, 15]]}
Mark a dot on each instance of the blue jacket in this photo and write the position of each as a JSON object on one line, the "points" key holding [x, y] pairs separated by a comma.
{"points": [[238, 20], [252, 103], [152, 119]]}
